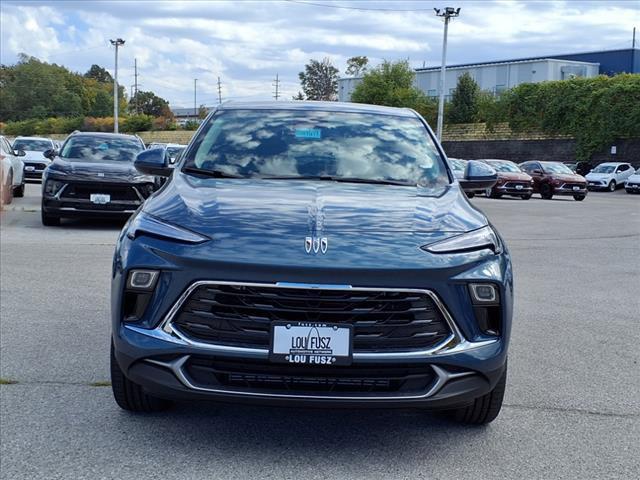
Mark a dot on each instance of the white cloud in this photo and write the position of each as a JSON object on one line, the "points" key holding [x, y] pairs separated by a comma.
{"points": [[247, 43]]}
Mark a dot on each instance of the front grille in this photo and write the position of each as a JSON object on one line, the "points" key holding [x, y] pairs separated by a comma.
{"points": [[83, 191], [513, 184], [571, 185], [37, 166], [239, 315], [256, 376]]}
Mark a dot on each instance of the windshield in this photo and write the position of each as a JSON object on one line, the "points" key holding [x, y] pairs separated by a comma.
{"points": [[457, 165], [174, 151], [504, 166], [101, 149], [556, 168], [303, 144], [32, 145], [604, 169]]}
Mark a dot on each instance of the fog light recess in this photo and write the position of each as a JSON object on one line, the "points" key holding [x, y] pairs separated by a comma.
{"points": [[142, 279]]}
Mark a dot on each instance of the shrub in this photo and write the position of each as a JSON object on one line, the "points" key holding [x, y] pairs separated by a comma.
{"points": [[137, 123]]}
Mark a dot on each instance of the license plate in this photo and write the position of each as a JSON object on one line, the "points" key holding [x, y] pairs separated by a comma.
{"points": [[576, 188], [314, 344], [518, 187], [29, 168], [100, 198]]}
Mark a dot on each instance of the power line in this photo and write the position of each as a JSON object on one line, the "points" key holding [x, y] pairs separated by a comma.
{"points": [[345, 7]]}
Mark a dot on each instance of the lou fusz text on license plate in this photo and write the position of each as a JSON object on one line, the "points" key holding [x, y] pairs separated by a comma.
{"points": [[311, 343]]}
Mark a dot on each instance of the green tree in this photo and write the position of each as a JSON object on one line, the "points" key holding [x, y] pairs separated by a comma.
{"points": [[391, 84], [102, 105], [356, 65], [99, 74], [137, 123], [464, 101], [319, 80], [202, 112], [149, 103]]}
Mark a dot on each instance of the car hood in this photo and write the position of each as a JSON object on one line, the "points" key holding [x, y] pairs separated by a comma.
{"points": [[565, 177], [33, 156], [634, 178], [598, 176], [114, 171], [514, 176], [259, 208]]}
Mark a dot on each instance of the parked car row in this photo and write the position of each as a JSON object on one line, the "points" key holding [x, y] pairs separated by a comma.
{"points": [[554, 178], [12, 173]]}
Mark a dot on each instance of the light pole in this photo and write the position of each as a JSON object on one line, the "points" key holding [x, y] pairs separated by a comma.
{"points": [[447, 13], [195, 103], [116, 43]]}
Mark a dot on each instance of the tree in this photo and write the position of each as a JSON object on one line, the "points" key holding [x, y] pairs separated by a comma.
{"points": [[99, 74], [202, 112], [319, 80], [391, 84], [299, 96], [356, 66], [464, 101], [149, 103]]}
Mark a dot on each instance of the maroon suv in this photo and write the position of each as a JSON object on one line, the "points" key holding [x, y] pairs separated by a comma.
{"points": [[555, 178], [511, 180]]}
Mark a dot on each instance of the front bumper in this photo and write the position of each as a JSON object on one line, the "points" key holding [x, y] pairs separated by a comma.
{"points": [[511, 188], [632, 187], [570, 189], [63, 205]]}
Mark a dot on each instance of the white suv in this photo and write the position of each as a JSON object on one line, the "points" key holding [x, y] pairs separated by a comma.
{"points": [[609, 176]]}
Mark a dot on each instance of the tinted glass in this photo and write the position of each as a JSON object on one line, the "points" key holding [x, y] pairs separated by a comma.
{"points": [[174, 151], [101, 149], [557, 168], [504, 166], [604, 169], [309, 143], [458, 165], [34, 145]]}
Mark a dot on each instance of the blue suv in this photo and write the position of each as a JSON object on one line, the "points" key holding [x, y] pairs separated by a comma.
{"points": [[312, 254]]}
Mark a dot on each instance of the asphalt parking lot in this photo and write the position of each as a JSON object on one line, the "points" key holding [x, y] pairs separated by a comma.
{"points": [[572, 407]]}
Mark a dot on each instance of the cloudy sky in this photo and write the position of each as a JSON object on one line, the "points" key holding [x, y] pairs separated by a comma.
{"points": [[246, 43]]}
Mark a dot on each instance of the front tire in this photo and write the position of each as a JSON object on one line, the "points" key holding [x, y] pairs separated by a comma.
{"points": [[485, 409], [579, 198], [546, 191], [526, 197], [7, 192], [18, 192], [129, 395], [49, 220], [612, 186]]}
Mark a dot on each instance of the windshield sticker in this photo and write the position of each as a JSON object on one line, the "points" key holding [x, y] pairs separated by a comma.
{"points": [[103, 146], [308, 133]]}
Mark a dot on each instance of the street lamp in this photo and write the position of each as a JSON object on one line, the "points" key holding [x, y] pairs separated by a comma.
{"points": [[116, 43], [447, 14]]}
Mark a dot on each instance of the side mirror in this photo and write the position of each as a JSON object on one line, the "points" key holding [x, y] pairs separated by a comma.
{"points": [[478, 176], [50, 154], [19, 153], [154, 161]]}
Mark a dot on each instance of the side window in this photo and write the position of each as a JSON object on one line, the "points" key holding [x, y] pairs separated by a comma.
{"points": [[525, 168], [5, 146], [623, 168]]}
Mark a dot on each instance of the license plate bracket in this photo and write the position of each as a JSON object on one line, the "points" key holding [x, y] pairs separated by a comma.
{"points": [[311, 343]]}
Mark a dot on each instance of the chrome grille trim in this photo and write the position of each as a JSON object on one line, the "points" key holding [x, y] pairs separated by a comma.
{"points": [[454, 343]]}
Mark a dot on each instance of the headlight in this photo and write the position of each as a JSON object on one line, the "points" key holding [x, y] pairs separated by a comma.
{"points": [[143, 223], [52, 187], [480, 239]]}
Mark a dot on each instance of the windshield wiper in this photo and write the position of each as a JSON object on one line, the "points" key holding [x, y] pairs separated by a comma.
{"points": [[211, 173], [331, 178]]}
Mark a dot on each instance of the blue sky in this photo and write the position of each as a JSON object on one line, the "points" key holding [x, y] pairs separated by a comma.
{"points": [[247, 42]]}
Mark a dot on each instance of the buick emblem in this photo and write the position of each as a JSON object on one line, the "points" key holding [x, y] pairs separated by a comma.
{"points": [[316, 244]]}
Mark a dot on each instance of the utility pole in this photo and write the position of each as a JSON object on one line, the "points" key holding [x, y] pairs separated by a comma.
{"points": [[135, 75], [446, 14], [277, 85], [116, 43], [219, 91], [195, 96]]}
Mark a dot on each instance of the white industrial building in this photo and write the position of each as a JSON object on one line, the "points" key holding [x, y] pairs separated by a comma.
{"points": [[494, 77]]}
